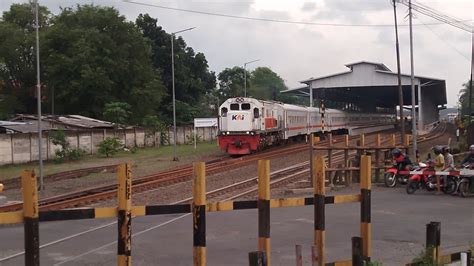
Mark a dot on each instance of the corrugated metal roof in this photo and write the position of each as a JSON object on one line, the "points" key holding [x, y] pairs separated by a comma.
{"points": [[24, 127], [77, 121]]}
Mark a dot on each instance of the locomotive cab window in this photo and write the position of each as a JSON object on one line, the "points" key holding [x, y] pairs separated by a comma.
{"points": [[224, 111], [256, 113], [234, 106], [245, 106]]}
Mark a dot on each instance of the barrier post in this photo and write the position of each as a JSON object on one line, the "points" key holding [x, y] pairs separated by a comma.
{"points": [[264, 208], [346, 159], [311, 154], [357, 256], [377, 158], [365, 192], [30, 216], [257, 258], [124, 244], [199, 214], [394, 143], [329, 153], [433, 240], [362, 140], [319, 217], [299, 257]]}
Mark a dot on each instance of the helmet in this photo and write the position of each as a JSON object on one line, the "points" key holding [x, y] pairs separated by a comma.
{"points": [[471, 148], [437, 149], [396, 152], [446, 149]]}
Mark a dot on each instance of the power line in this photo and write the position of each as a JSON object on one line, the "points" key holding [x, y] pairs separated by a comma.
{"points": [[264, 19], [447, 43], [430, 12]]}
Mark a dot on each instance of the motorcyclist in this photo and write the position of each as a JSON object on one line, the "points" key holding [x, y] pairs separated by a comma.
{"points": [[448, 158], [400, 159], [469, 159], [439, 158]]}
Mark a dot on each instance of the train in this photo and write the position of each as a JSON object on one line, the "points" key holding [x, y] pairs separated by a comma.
{"points": [[248, 125]]}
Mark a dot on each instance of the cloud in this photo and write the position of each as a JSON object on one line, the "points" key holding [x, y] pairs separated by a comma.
{"points": [[297, 52]]}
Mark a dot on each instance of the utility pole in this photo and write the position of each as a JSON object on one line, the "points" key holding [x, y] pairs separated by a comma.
{"points": [[38, 98], [400, 88], [469, 130], [413, 111]]}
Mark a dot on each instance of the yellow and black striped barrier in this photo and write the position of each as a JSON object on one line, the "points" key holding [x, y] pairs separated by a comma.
{"points": [[319, 179], [124, 242], [30, 217], [148, 210], [264, 208], [365, 205], [199, 214]]}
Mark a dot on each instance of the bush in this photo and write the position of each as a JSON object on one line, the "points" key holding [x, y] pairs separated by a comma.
{"points": [[424, 258], [190, 138], [65, 152], [110, 146]]}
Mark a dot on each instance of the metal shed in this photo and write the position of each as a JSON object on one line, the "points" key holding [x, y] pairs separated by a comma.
{"points": [[373, 87]]}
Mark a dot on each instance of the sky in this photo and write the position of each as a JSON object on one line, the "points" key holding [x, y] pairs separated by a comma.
{"points": [[297, 52]]}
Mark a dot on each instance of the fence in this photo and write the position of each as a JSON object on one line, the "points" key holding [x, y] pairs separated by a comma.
{"points": [[30, 216], [23, 147]]}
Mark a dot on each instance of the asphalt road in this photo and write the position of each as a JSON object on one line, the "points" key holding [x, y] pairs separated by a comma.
{"points": [[398, 224]]}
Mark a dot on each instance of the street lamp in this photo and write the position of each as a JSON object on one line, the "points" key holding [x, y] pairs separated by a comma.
{"points": [[175, 158], [38, 97], [245, 76]]}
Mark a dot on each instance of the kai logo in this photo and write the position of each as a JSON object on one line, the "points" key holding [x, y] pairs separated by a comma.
{"points": [[237, 117]]}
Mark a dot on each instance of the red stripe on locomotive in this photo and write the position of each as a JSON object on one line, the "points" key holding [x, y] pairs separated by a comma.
{"points": [[239, 144]]}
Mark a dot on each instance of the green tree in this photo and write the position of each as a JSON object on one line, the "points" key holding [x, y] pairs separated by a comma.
{"points": [[193, 80], [93, 56], [231, 83], [18, 57], [117, 112], [464, 99]]}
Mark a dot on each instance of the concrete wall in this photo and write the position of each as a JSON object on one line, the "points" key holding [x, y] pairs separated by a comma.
{"points": [[23, 147]]}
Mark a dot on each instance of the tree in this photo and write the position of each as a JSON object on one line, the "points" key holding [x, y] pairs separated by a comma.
{"points": [[464, 99], [231, 82], [193, 80], [93, 56], [117, 112], [18, 57]]}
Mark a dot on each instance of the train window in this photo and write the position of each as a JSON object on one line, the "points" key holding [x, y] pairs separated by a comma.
{"points": [[245, 106], [224, 111], [234, 106], [256, 113]]}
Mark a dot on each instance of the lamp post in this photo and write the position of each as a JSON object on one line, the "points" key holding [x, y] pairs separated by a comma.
{"points": [[175, 157], [38, 98], [245, 76]]}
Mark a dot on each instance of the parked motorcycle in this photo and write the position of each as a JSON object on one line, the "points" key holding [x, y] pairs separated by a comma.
{"points": [[463, 183], [392, 177], [428, 181]]}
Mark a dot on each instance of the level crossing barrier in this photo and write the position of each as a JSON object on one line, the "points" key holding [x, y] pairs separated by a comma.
{"points": [[30, 216]]}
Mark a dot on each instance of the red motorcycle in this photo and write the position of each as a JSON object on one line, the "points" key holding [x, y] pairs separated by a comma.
{"points": [[392, 177], [428, 180]]}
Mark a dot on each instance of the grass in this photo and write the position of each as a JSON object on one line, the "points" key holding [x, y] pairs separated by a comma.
{"points": [[145, 160]]}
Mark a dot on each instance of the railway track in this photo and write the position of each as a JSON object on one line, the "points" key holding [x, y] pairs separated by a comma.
{"points": [[99, 193]]}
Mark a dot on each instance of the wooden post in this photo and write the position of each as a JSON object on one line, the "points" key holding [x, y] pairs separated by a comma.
{"points": [[362, 140], [346, 160], [433, 241], [299, 257], [311, 155], [357, 254], [257, 258], [329, 153], [124, 246], [314, 256], [377, 158], [394, 143], [199, 214], [365, 192], [319, 212], [264, 208], [30, 216], [349, 178]]}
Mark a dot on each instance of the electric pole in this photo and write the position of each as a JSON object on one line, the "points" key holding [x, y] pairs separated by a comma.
{"points": [[400, 89]]}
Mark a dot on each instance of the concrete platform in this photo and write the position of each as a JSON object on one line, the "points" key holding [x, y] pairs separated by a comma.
{"points": [[398, 222]]}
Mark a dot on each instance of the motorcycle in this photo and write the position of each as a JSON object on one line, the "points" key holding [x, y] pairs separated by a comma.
{"points": [[428, 181], [463, 183], [392, 177]]}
